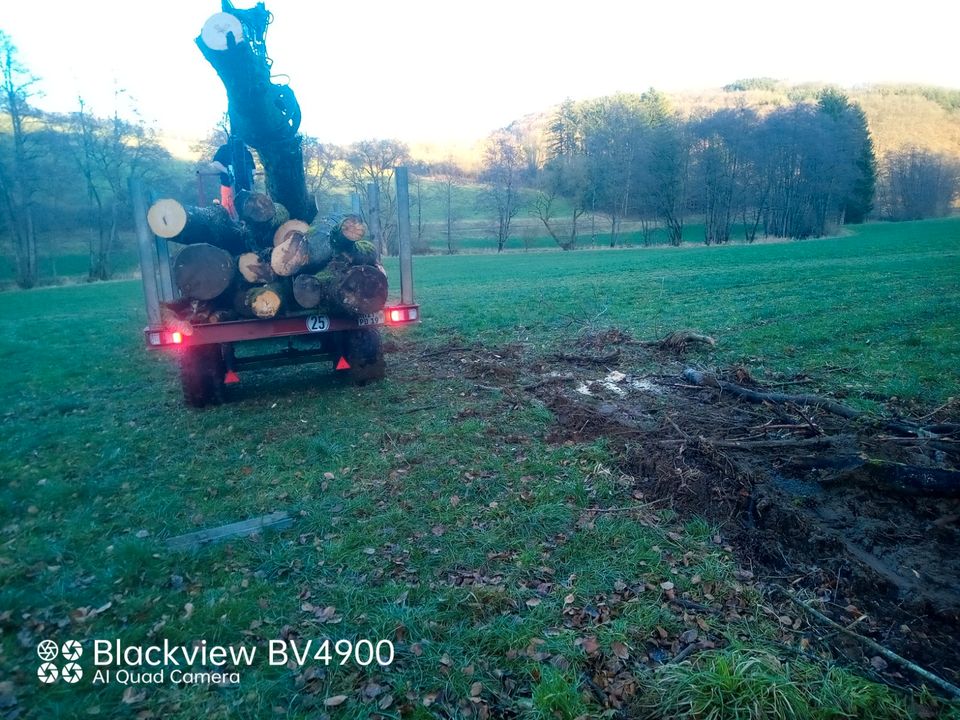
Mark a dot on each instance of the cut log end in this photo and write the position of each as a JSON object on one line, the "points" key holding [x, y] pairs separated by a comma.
{"points": [[264, 302], [352, 228], [221, 31], [290, 229], [309, 291], [202, 272], [363, 289], [254, 269], [255, 207], [290, 256], [166, 218]]}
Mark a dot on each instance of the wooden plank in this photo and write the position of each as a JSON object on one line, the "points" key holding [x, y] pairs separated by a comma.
{"points": [[274, 521]]}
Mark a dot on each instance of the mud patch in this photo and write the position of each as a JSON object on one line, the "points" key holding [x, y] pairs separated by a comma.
{"points": [[778, 478]]}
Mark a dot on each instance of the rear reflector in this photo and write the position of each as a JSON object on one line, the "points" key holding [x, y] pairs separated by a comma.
{"points": [[231, 377], [343, 364]]}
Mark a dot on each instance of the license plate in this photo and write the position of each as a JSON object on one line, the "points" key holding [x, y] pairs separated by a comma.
{"points": [[371, 319], [318, 323]]}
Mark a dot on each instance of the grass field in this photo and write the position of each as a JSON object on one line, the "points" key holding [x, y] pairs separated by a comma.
{"points": [[429, 511]]}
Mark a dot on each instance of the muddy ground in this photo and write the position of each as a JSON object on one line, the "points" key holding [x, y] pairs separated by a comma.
{"points": [[786, 482]]}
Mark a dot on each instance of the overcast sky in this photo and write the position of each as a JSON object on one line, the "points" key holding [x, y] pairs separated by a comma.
{"points": [[420, 70]]}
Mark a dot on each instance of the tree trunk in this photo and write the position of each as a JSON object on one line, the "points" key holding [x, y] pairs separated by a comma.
{"points": [[202, 271], [266, 117], [189, 225]]}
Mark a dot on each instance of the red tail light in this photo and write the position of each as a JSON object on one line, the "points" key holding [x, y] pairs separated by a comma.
{"points": [[402, 314]]}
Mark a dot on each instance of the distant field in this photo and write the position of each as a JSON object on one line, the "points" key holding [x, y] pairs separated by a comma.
{"points": [[430, 509], [883, 303]]}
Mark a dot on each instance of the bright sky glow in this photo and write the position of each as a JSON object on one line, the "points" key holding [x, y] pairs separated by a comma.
{"points": [[426, 71]]}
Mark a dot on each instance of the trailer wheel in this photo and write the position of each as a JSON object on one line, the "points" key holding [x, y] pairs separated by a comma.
{"points": [[365, 355], [201, 374]]}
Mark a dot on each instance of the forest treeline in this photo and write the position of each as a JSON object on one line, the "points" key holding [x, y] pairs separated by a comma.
{"points": [[796, 169]]}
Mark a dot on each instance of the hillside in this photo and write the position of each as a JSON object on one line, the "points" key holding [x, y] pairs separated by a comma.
{"points": [[898, 115]]}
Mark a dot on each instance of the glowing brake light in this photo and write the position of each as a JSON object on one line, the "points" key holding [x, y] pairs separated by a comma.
{"points": [[176, 337], [402, 314]]}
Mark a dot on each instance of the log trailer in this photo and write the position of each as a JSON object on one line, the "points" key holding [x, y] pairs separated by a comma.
{"points": [[206, 353], [267, 117]]}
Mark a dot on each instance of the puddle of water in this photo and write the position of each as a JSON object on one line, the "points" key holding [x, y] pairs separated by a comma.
{"points": [[619, 384]]}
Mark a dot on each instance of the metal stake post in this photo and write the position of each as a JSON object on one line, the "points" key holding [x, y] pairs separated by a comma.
{"points": [[403, 236], [148, 267]]}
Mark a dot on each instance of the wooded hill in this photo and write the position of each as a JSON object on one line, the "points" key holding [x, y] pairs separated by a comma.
{"points": [[898, 116]]}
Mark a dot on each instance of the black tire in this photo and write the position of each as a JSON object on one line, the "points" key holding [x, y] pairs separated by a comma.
{"points": [[201, 373], [365, 355]]}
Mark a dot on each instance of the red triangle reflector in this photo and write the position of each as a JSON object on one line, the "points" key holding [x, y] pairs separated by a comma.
{"points": [[231, 377], [343, 364]]}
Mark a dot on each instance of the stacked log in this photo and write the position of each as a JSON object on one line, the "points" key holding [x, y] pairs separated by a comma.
{"points": [[266, 265]]}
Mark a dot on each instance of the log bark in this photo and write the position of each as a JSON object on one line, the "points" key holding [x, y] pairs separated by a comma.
{"points": [[709, 380], [255, 269], [362, 252], [353, 289], [190, 225], [202, 271]]}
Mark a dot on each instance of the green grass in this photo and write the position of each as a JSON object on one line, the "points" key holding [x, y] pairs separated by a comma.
{"points": [[741, 684], [881, 305], [438, 529]]}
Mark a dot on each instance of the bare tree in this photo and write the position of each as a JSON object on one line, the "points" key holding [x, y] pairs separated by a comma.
{"points": [[373, 161], [918, 184], [564, 177], [418, 242], [669, 163], [320, 161], [18, 180], [107, 152], [448, 176], [503, 163]]}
